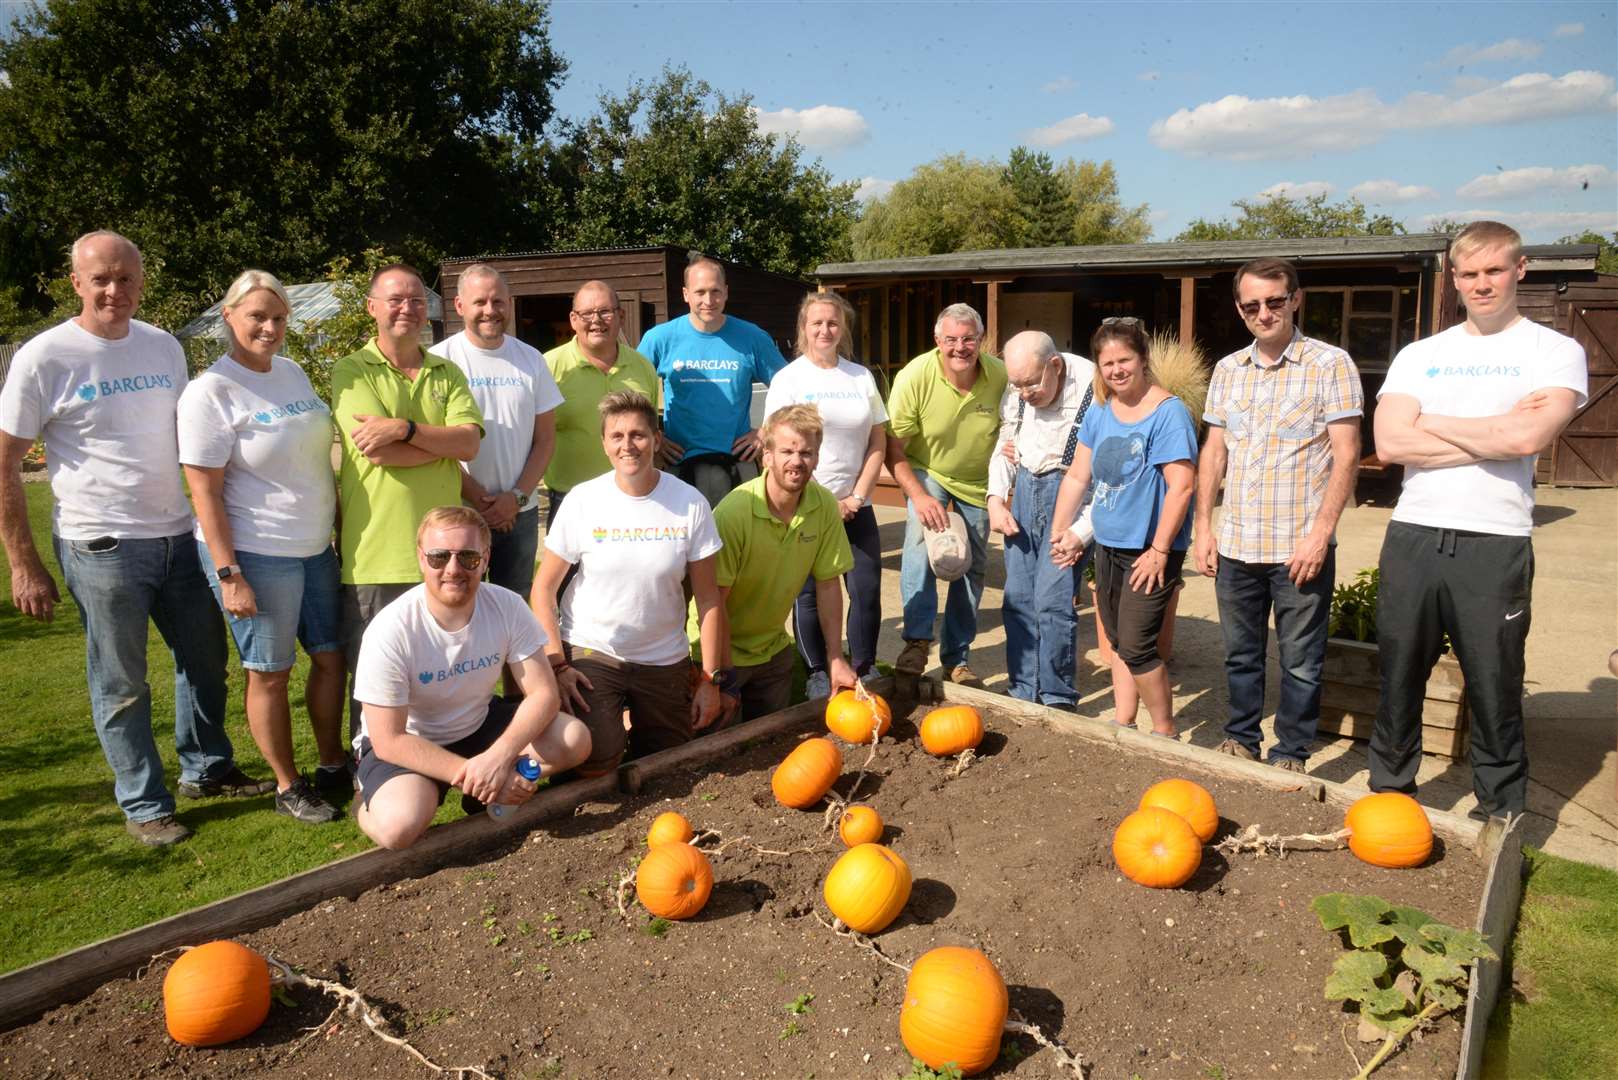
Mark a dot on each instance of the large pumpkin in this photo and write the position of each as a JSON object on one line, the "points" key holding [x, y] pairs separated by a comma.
{"points": [[216, 993], [868, 887], [860, 825], [1191, 801], [1389, 829], [849, 717], [669, 828], [804, 777], [673, 881], [954, 1010], [951, 729], [1155, 847]]}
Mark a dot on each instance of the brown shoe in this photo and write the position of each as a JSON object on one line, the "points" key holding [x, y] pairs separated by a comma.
{"points": [[1236, 750], [235, 784], [1286, 764], [913, 657], [961, 675], [158, 832]]}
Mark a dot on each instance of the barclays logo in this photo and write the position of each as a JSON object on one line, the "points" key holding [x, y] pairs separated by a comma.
{"points": [[262, 417], [87, 392], [1433, 371], [425, 677]]}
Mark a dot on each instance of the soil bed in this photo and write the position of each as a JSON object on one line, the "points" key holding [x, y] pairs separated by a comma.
{"points": [[521, 965]]}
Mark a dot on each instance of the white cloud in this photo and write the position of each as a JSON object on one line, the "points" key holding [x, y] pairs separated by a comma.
{"points": [[1149, 76], [1568, 29], [1246, 129], [1509, 49], [820, 127], [873, 187], [1288, 189], [1081, 126], [1389, 191], [1517, 182], [1057, 86], [1537, 225]]}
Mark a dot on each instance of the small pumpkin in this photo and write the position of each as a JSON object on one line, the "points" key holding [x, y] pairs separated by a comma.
{"points": [[805, 775], [1389, 829], [669, 828], [1190, 800], [674, 881], [947, 731], [954, 1010], [1156, 848], [860, 825], [216, 993], [849, 717], [867, 887]]}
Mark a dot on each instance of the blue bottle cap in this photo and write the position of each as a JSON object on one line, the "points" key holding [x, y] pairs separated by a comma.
{"points": [[528, 768]]}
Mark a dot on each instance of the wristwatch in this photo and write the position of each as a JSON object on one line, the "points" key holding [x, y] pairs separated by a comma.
{"points": [[226, 572], [525, 499]]}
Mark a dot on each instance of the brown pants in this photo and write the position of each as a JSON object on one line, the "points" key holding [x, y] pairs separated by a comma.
{"points": [[766, 687], [658, 700]]}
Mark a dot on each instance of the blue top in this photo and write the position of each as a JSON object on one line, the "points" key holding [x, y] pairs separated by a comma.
{"points": [[708, 379], [1129, 487]]}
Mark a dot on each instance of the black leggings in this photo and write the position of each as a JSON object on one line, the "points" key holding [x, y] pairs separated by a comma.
{"points": [[1133, 619], [864, 601]]}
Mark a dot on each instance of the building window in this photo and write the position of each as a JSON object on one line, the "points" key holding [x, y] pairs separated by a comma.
{"points": [[1373, 323]]}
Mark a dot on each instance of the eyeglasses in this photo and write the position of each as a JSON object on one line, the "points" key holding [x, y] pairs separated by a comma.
{"points": [[469, 558], [969, 341], [396, 302], [1274, 303], [598, 315], [1120, 320], [1038, 380]]}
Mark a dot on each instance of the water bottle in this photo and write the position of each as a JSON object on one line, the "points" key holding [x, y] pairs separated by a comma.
{"points": [[528, 769]]}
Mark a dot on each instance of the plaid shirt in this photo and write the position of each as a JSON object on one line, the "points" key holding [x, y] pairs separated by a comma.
{"points": [[1279, 455]]}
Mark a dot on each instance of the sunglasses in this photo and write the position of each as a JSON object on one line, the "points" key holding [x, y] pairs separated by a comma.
{"points": [[1274, 303], [469, 558], [1120, 320]]}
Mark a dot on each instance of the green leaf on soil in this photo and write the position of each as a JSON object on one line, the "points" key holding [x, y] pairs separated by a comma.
{"points": [[1406, 923], [1463, 946], [1431, 965], [1360, 915], [1354, 978]]}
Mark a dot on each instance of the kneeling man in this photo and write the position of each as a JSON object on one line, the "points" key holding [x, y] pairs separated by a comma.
{"points": [[427, 671]]}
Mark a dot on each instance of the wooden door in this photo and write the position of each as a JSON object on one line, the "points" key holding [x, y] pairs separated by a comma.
{"points": [[1586, 453]]}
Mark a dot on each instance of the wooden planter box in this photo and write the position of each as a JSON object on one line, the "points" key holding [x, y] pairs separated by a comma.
{"points": [[1353, 686]]}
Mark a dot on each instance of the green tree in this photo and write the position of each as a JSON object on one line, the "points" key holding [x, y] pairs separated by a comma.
{"points": [[1281, 218], [1099, 216], [1606, 249], [1044, 217], [675, 162]]}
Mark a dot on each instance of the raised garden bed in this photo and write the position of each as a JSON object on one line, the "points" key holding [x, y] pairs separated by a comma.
{"points": [[1352, 687], [521, 964]]}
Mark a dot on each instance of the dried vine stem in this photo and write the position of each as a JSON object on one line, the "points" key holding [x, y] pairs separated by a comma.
{"points": [[838, 927], [1065, 1058], [627, 882], [963, 761], [835, 803], [1250, 839]]}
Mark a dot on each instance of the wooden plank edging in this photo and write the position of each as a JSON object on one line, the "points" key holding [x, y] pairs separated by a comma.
{"points": [[1497, 918]]}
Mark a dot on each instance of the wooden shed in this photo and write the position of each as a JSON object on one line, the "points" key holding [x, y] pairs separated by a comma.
{"points": [[648, 280]]}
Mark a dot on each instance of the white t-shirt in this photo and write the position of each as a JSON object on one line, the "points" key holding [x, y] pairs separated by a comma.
{"points": [[511, 385], [1469, 375], [626, 600], [272, 435], [444, 678], [106, 411], [849, 407]]}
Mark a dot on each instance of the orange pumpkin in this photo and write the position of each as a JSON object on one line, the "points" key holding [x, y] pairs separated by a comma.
{"points": [[1191, 801], [860, 825], [850, 718], [951, 729], [216, 993], [669, 828], [867, 887], [673, 881], [954, 1010], [1389, 829], [804, 777], [1155, 847]]}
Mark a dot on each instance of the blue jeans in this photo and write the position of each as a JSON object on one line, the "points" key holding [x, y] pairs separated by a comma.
{"points": [[298, 602], [512, 553], [1246, 594], [118, 585], [918, 588], [1038, 605]]}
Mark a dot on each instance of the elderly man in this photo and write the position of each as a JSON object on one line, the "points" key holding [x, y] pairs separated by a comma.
{"points": [[408, 420], [1467, 412], [514, 390], [708, 362], [1284, 436], [1047, 394], [427, 673], [102, 390], [943, 420], [586, 369]]}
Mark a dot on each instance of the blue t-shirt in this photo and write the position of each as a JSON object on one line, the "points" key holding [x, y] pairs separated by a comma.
{"points": [[1128, 486], [708, 379]]}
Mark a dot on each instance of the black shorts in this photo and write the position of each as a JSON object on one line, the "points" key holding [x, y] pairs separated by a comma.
{"points": [[373, 772]]}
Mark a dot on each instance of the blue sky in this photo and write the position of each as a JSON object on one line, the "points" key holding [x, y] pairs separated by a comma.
{"points": [[1461, 110]]}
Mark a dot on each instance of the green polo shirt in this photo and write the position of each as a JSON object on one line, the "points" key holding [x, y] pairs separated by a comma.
{"points": [[383, 504], [764, 563], [950, 434], [579, 456]]}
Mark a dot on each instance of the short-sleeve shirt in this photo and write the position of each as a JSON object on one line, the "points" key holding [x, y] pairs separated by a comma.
{"points": [[849, 405], [579, 456], [272, 435], [764, 563], [1455, 373], [1279, 456], [443, 678], [1125, 474], [950, 435], [627, 600], [105, 408], [708, 379], [383, 504], [511, 385]]}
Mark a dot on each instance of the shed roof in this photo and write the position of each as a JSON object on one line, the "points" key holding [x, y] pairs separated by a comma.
{"points": [[311, 302]]}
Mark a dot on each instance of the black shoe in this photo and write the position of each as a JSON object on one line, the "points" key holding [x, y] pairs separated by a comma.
{"points": [[234, 784], [335, 781], [302, 803], [159, 832]]}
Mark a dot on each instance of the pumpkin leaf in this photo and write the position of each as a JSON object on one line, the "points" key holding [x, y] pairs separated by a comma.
{"points": [[1354, 978], [1394, 1020], [1447, 996], [1406, 924], [1431, 965], [1410, 986], [1360, 915], [1462, 946]]}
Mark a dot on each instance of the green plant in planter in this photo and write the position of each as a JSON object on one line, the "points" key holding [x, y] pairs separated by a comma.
{"points": [[1353, 608], [1404, 969]]}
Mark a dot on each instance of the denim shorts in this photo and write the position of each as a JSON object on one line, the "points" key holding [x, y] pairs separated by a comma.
{"points": [[298, 602]]}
